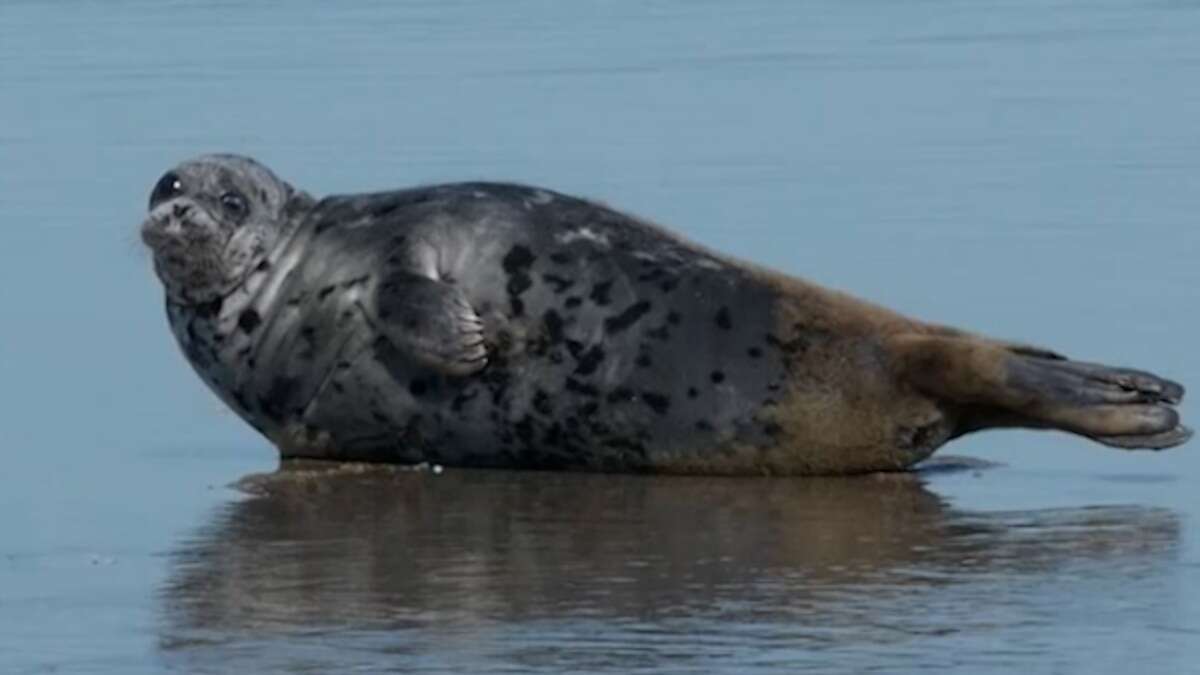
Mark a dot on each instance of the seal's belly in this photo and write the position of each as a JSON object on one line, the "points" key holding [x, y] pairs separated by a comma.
{"points": [[528, 416], [620, 380]]}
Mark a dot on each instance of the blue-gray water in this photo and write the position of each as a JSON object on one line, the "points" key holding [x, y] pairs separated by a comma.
{"points": [[1022, 168]]}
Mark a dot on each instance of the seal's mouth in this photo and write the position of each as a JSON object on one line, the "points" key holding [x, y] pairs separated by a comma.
{"points": [[186, 242]]}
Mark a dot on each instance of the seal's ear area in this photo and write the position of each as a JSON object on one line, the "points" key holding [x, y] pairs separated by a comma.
{"points": [[431, 322], [296, 202], [998, 385]]}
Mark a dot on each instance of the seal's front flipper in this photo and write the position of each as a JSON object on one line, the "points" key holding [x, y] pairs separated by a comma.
{"points": [[432, 322], [992, 385]]}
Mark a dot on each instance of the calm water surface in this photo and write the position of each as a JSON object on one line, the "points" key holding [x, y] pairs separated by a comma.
{"points": [[1023, 168]]}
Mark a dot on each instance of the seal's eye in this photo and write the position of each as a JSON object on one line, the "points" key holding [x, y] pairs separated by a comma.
{"points": [[168, 187], [234, 204]]}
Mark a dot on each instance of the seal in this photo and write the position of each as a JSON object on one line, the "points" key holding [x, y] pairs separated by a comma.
{"points": [[500, 325]]}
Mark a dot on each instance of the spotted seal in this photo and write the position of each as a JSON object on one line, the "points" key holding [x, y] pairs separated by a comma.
{"points": [[491, 324]]}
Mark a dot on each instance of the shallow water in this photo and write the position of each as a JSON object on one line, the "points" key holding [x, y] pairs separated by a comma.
{"points": [[1023, 169]]}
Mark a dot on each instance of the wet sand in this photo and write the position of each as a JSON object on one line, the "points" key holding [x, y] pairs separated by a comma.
{"points": [[327, 568]]}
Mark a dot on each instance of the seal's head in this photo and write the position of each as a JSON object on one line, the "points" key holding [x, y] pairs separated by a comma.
{"points": [[212, 219]]}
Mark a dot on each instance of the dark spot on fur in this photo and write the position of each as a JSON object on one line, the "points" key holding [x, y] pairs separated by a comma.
{"points": [[559, 283], [524, 429], [573, 302], [660, 333], [248, 320], [554, 326], [518, 284], [717, 377], [517, 259], [657, 402], [627, 318], [588, 361], [417, 387], [197, 355], [643, 361], [575, 347], [541, 402], [323, 225], [652, 274], [356, 281], [274, 403], [754, 352], [668, 285], [582, 388], [325, 291], [308, 334], [553, 437], [560, 258], [239, 397], [723, 320], [263, 265], [693, 392], [209, 310], [600, 293], [516, 264], [704, 425], [620, 395], [673, 318], [772, 429]]}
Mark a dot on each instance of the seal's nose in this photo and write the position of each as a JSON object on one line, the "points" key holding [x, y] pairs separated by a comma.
{"points": [[181, 209]]}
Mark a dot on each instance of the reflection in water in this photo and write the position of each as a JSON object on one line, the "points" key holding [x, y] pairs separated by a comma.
{"points": [[525, 568]]}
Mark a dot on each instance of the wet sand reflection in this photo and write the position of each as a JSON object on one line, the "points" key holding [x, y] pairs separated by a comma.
{"points": [[416, 556]]}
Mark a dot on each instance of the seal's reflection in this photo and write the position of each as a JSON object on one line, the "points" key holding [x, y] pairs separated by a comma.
{"points": [[380, 548]]}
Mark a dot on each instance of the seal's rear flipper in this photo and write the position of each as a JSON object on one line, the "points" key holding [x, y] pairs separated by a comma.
{"points": [[996, 385]]}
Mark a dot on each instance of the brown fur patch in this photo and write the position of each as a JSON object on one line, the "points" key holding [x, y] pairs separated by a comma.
{"points": [[844, 408]]}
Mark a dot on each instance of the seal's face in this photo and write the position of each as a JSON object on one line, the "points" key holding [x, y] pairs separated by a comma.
{"points": [[212, 219]]}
